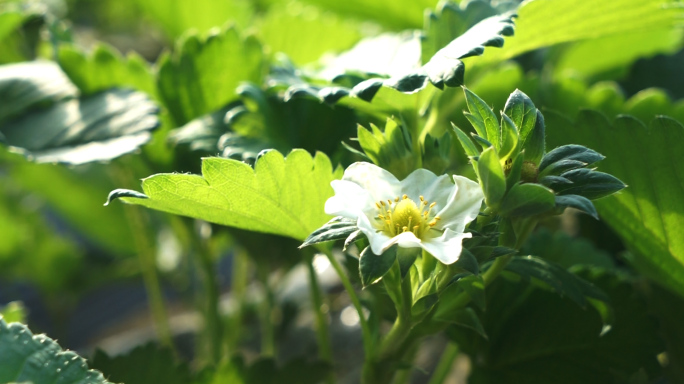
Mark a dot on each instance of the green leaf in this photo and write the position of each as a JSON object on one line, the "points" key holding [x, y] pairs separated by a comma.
{"points": [[562, 281], [527, 200], [536, 338], [13, 312], [304, 34], [578, 202], [590, 184], [465, 318], [492, 179], [483, 119], [105, 68], [96, 128], [39, 359], [570, 154], [543, 24], [474, 286], [32, 84], [666, 307], [373, 267], [395, 14], [515, 171], [194, 82], [178, 16], [509, 138], [649, 215], [390, 149], [144, 364], [520, 108], [336, 229], [282, 196], [558, 247]]}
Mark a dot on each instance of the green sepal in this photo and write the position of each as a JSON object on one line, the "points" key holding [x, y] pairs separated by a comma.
{"points": [[578, 202], [467, 261], [406, 257], [352, 238], [483, 118], [373, 267], [424, 298], [336, 229], [520, 108], [527, 200], [535, 143], [491, 177], [468, 146], [591, 184]]}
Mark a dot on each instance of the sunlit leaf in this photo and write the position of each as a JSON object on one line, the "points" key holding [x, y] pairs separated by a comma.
{"points": [[282, 196]]}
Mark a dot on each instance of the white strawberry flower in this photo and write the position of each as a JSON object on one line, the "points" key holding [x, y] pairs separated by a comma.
{"points": [[423, 210]]}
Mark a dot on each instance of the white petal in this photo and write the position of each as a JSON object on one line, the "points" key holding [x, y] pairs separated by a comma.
{"points": [[446, 248], [381, 184], [422, 182], [350, 200], [380, 242], [463, 205]]}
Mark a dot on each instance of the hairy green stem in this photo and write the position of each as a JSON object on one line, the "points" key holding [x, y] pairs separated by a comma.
{"points": [[212, 317], [266, 310], [322, 331], [147, 258], [445, 364]]}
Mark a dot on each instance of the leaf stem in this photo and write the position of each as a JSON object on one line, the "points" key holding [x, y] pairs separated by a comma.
{"points": [[266, 310], [322, 330], [446, 362]]}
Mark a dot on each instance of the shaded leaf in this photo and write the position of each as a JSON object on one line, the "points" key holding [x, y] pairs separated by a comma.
{"points": [[39, 359], [578, 202], [527, 200], [144, 364], [334, 230], [96, 128], [590, 184], [282, 196]]}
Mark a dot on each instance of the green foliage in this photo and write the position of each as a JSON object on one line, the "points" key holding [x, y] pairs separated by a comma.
{"points": [[373, 267], [336, 229], [143, 365], [105, 68], [282, 196], [527, 200], [567, 251], [398, 15], [546, 23], [491, 176], [39, 359], [192, 81], [13, 312], [536, 338], [265, 371], [647, 215], [390, 149]]}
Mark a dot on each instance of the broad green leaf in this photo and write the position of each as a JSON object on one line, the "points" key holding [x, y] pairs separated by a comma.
{"points": [[39, 359], [373, 267], [491, 177], [395, 14], [282, 196], [31, 84], [9, 21], [336, 229], [527, 200], [176, 17], [546, 23], [304, 34], [95, 128], [611, 56], [105, 68], [194, 81], [535, 337], [649, 214], [143, 365]]}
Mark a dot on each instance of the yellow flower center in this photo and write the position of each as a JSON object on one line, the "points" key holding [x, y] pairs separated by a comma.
{"points": [[404, 215]]}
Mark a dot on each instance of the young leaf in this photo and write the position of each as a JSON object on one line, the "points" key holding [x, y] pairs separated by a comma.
{"points": [[467, 144], [527, 200], [334, 230], [570, 154], [591, 184], [373, 267], [282, 196], [522, 112], [578, 202], [535, 143], [39, 359], [95, 128], [487, 124], [492, 179], [509, 138]]}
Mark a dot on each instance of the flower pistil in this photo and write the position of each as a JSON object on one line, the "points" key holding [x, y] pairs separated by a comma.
{"points": [[404, 215]]}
